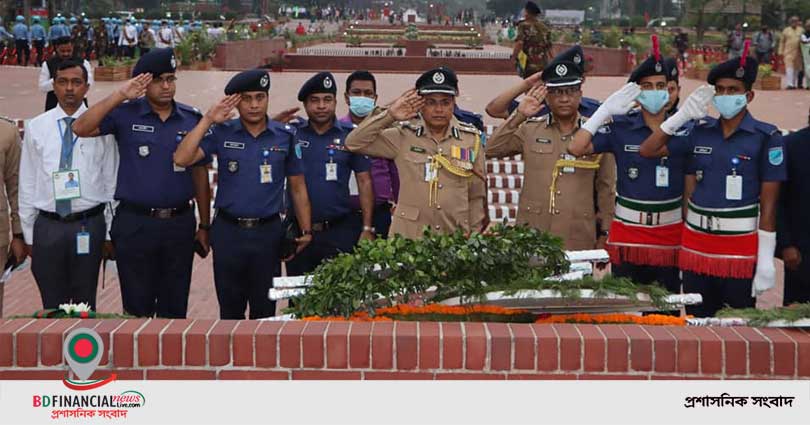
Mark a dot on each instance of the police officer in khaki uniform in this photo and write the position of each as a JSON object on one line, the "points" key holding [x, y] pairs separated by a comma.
{"points": [[569, 197], [10, 147], [440, 160]]}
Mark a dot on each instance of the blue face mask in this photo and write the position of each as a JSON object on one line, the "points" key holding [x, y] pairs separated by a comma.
{"points": [[361, 106], [730, 105], [653, 100]]}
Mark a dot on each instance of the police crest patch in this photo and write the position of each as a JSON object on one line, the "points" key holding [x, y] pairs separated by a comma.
{"points": [[776, 156], [143, 151], [632, 172], [233, 166], [438, 78]]}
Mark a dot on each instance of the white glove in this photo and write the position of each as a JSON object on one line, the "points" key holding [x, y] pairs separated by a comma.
{"points": [[695, 107], [619, 103], [765, 276]]}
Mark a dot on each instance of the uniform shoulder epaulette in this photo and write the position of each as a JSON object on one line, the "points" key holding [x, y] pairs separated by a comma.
{"points": [[705, 121], [409, 125], [467, 127], [766, 128], [285, 127], [189, 108]]}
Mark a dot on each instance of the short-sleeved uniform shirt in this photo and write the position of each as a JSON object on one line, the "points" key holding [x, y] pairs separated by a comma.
{"points": [[245, 187], [636, 176], [329, 194], [147, 175], [755, 151]]}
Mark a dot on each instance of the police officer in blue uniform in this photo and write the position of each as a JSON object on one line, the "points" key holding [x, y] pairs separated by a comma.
{"points": [[506, 103], [736, 166], [673, 85], [22, 40], [644, 238], [38, 39], [328, 165], [793, 228], [154, 227], [254, 155]]}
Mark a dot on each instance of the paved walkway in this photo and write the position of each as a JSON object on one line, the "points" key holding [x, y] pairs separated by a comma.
{"points": [[19, 98]]}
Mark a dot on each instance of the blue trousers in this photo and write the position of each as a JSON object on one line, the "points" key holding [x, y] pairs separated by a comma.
{"points": [[717, 292], [245, 262], [154, 259], [342, 237]]}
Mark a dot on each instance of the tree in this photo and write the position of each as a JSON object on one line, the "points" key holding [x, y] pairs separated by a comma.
{"points": [[699, 8]]}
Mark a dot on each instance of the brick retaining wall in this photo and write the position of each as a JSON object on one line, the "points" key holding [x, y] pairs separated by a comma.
{"points": [[209, 349]]}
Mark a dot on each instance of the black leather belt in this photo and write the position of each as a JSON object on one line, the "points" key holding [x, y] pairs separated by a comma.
{"points": [[162, 213], [327, 224], [92, 212], [245, 222]]}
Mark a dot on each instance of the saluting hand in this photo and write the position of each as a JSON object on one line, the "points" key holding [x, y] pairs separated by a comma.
{"points": [[532, 80], [533, 101], [135, 87], [620, 102], [406, 106], [223, 110], [286, 115]]}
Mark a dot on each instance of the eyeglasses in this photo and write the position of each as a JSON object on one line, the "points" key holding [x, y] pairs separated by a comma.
{"points": [[564, 91], [161, 80]]}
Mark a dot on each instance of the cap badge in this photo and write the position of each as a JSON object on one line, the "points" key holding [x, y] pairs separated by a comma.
{"points": [[173, 62], [438, 78], [740, 72], [658, 67], [327, 83], [674, 72], [561, 70], [577, 59], [264, 81]]}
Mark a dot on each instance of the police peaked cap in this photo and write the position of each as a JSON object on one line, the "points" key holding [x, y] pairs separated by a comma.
{"points": [[438, 80], [250, 80], [156, 62], [322, 82], [565, 69], [742, 68]]}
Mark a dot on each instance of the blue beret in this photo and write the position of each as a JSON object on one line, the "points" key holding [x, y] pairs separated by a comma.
{"points": [[648, 68], [156, 62], [322, 82], [747, 72], [438, 80], [250, 80]]}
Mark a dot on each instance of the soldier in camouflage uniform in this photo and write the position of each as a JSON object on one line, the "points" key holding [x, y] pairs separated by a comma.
{"points": [[101, 41], [534, 40], [79, 37]]}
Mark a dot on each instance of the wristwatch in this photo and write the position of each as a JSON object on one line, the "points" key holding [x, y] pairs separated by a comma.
{"points": [[369, 229], [306, 232], [205, 226]]}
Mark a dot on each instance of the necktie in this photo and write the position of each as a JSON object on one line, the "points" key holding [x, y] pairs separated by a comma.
{"points": [[66, 161]]}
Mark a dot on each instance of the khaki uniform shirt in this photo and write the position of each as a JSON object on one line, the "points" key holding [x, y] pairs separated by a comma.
{"points": [[459, 202], [583, 197], [10, 147]]}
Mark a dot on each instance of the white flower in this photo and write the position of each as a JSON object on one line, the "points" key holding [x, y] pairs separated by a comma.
{"points": [[83, 307], [67, 308], [74, 308]]}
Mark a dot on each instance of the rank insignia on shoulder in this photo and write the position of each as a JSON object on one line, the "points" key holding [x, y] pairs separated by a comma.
{"points": [[143, 151], [682, 133], [233, 166], [776, 156], [417, 149], [542, 140], [702, 150]]}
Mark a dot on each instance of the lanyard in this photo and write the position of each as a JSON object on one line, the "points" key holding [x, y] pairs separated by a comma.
{"points": [[68, 154]]}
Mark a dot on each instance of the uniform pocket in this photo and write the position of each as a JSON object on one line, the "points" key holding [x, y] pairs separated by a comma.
{"points": [[541, 148], [407, 212]]}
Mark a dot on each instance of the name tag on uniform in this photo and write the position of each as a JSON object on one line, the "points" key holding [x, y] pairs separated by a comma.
{"points": [[632, 148], [143, 128], [417, 149], [661, 176], [331, 172], [177, 168], [734, 187], [82, 243], [541, 140], [265, 173], [66, 185], [702, 150], [234, 145]]}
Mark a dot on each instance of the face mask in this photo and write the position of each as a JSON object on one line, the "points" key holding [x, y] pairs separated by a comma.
{"points": [[653, 100], [730, 105], [361, 106]]}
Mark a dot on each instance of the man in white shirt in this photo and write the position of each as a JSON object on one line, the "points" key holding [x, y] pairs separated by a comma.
{"points": [[66, 224], [129, 38], [165, 38], [64, 51]]}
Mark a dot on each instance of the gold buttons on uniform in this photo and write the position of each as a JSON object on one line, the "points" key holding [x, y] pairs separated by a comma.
{"points": [[441, 185], [559, 192], [556, 212], [438, 207], [438, 227], [402, 214]]}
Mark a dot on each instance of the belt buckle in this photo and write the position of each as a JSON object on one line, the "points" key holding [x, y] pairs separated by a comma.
{"points": [[248, 223], [713, 222], [649, 219], [162, 213]]}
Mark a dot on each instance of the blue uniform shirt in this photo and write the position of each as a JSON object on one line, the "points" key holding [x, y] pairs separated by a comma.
{"points": [[240, 156], [587, 107], [38, 32], [329, 199], [636, 175], [754, 151], [146, 145], [20, 32]]}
